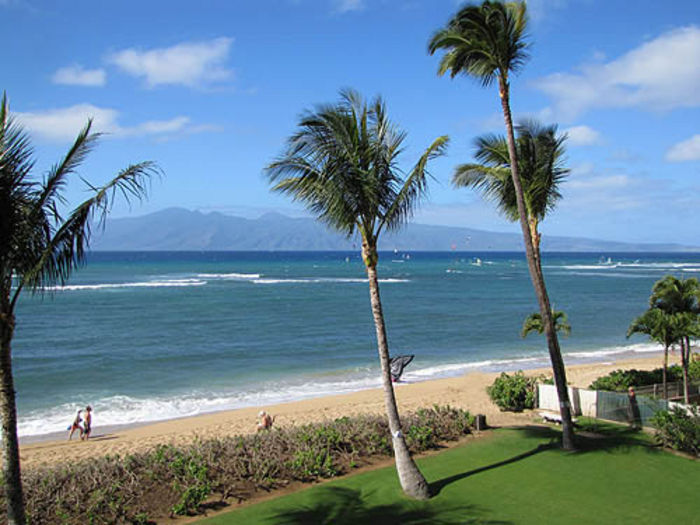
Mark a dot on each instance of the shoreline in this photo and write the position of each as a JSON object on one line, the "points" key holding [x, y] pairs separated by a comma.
{"points": [[466, 391], [300, 391]]}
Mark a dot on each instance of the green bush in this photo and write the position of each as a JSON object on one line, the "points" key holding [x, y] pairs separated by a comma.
{"points": [[513, 393], [678, 429], [694, 369], [179, 480], [621, 380]]}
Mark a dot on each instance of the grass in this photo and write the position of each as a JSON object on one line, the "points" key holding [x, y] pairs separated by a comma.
{"points": [[513, 476]]}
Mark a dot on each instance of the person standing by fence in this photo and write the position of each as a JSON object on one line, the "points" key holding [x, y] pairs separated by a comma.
{"points": [[635, 418]]}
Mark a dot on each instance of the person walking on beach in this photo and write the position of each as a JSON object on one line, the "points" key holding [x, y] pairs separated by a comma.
{"points": [[265, 422], [88, 423], [76, 426]]}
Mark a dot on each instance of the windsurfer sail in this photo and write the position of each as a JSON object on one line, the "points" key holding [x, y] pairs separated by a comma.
{"points": [[397, 365]]}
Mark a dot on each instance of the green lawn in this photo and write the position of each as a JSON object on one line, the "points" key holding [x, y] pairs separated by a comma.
{"points": [[513, 476]]}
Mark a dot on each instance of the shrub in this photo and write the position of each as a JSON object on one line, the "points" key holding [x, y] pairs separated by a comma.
{"points": [[694, 369], [679, 429], [621, 380], [179, 480], [513, 393]]}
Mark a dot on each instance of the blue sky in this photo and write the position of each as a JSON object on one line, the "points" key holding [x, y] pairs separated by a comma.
{"points": [[210, 90]]}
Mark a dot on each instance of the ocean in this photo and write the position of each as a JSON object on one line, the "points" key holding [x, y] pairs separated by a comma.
{"points": [[147, 336]]}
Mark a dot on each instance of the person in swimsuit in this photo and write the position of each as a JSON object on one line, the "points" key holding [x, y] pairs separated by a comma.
{"points": [[265, 421], [76, 426], [88, 423]]}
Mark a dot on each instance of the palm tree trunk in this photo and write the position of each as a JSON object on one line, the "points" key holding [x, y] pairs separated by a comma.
{"points": [[665, 367], [537, 277], [685, 358], [535, 236], [412, 481], [8, 414]]}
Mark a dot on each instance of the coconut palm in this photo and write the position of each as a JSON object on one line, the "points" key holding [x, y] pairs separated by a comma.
{"points": [[681, 297], [533, 323], [540, 155], [661, 327], [487, 42], [342, 164], [40, 248]]}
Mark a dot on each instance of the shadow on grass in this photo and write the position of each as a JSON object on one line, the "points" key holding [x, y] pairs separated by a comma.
{"points": [[437, 486], [344, 506], [590, 437], [594, 435]]}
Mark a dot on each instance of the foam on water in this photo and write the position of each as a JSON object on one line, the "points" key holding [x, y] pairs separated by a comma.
{"points": [[316, 280], [623, 275], [143, 284], [642, 348], [229, 276], [634, 265]]}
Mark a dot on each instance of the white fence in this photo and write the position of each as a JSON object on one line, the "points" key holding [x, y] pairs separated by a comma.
{"points": [[613, 406], [583, 402]]}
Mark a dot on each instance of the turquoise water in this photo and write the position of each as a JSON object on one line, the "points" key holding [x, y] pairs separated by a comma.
{"points": [[150, 336]]}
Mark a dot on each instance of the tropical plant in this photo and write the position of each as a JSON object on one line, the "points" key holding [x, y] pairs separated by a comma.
{"points": [[341, 163], [487, 42], [514, 392], [40, 248], [150, 486], [540, 153], [679, 428], [621, 380], [533, 323], [680, 297], [662, 328]]}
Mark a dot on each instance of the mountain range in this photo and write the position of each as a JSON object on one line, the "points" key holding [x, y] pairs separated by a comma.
{"points": [[178, 229]]}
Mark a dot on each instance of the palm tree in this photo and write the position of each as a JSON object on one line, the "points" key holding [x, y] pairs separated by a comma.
{"points": [[487, 42], [533, 323], [679, 297], [540, 156], [660, 327], [341, 163], [40, 248]]}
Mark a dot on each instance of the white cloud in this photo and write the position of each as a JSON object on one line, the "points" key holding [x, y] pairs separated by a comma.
{"points": [[345, 6], [686, 150], [588, 191], [659, 75], [75, 75], [582, 136], [539, 9], [63, 124], [190, 64]]}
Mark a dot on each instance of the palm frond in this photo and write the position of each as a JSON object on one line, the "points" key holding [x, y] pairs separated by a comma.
{"points": [[413, 188], [534, 323], [341, 163], [484, 41], [56, 179], [540, 153], [20, 238], [67, 247], [674, 295]]}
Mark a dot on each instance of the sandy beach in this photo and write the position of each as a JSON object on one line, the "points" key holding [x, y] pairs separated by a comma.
{"points": [[467, 392]]}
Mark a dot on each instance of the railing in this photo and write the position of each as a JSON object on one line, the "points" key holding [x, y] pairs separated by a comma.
{"points": [[675, 390], [613, 406]]}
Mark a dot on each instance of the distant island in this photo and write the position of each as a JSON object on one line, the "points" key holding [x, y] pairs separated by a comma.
{"points": [[178, 229]]}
